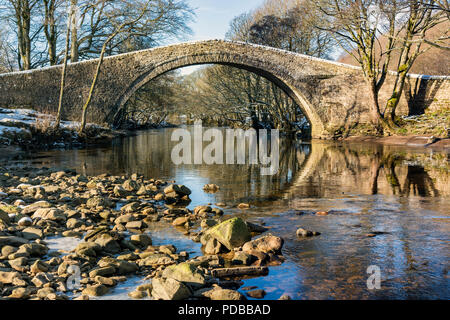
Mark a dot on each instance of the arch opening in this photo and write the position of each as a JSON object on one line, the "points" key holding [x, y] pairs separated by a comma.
{"points": [[152, 72]]}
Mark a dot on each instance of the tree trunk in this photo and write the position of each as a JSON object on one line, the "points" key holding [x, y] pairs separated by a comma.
{"points": [[23, 20], [63, 75], [50, 30], [91, 91], [74, 32], [403, 68], [375, 114]]}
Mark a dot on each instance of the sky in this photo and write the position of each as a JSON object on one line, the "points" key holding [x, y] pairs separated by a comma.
{"points": [[213, 18]]}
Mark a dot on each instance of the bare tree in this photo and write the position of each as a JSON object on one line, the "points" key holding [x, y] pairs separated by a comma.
{"points": [[123, 24], [356, 26], [359, 27], [50, 28], [6, 54], [74, 30], [35, 25], [66, 56], [22, 11], [421, 17]]}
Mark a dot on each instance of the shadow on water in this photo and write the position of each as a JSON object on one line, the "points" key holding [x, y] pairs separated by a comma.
{"points": [[398, 196]]}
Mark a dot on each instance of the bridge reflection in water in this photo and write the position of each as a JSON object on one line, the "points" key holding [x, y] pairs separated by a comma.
{"points": [[306, 170]]}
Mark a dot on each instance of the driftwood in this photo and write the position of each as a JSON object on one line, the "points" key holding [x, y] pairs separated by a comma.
{"points": [[241, 271]]}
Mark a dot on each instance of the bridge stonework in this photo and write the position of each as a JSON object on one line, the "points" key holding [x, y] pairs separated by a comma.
{"points": [[331, 95]]}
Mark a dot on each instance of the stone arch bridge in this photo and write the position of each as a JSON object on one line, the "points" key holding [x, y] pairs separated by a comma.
{"points": [[332, 95]]}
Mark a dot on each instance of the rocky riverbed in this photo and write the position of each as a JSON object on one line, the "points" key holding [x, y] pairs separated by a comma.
{"points": [[108, 217]]}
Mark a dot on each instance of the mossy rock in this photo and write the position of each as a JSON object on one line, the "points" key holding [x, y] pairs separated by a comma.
{"points": [[186, 273], [232, 233]]}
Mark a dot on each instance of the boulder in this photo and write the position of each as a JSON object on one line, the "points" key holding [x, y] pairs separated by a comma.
{"points": [[224, 294], [33, 249], [231, 233], [39, 266], [130, 207], [119, 191], [169, 289], [212, 246], [123, 219], [4, 217], [73, 223], [257, 294], [108, 244], [89, 249], [242, 258], [19, 264], [32, 233], [208, 223], [185, 272], [12, 241], [180, 221], [25, 222], [266, 244], [130, 185], [126, 267], [34, 206], [167, 248], [97, 201], [178, 189], [20, 293], [142, 191], [102, 271], [41, 279], [94, 234], [137, 294], [7, 250], [110, 282], [96, 290], [157, 259], [303, 233], [44, 292], [202, 209], [92, 184], [52, 214], [141, 240], [136, 225], [8, 277], [243, 206], [122, 267], [128, 257]]}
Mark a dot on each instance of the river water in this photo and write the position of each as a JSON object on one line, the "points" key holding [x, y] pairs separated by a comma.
{"points": [[402, 196]]}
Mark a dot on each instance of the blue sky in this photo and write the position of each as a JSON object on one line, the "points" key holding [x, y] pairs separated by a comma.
{"points": [[213, 19], [214, 16]]}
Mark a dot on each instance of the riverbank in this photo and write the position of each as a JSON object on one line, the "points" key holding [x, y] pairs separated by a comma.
{"points": [[31, 130], [109, 216], [428, 142]]}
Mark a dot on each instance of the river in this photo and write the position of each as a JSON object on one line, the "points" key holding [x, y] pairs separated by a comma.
{"points": [[400, 196]]}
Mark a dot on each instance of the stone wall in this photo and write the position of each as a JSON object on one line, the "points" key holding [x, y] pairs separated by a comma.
{"points": [[331, 94]]}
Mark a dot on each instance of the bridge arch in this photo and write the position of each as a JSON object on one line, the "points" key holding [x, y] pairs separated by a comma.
{"points": [[266, 69], [332, 95]]}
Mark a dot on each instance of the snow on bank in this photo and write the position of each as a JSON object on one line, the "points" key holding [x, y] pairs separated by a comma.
{"points": [[16, 125]]}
